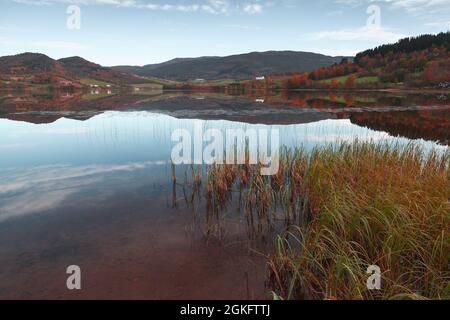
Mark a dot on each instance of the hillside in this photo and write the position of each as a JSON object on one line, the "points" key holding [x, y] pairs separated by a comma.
{"points": [[149, 67], [30, 69], [82, 69], [408, 45], [28, 63], [422, 61], [241, 66]]}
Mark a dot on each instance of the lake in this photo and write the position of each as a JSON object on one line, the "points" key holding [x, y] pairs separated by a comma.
{"points": [[88, 182]]}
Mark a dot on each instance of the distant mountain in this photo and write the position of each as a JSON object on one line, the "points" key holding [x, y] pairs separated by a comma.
{"points": [[241, 66], [31, 64], [36, 68], [39, 68], [82, 68], [148, 67]]}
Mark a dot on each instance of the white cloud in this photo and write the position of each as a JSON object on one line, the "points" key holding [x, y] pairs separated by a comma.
{"points": [[253, 8], [415, 5], [409, 5], [119, 3], [208, 6], [358, 34], [428, 11]]}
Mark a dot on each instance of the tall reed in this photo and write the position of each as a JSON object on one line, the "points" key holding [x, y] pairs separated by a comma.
{"points": [[347, 206], [370, 204]]}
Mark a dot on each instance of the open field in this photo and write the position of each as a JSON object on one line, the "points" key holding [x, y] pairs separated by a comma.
{"points": [[94, 82]]}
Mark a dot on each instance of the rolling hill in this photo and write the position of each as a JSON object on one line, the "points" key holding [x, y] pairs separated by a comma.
{"points": [[35, 68], [30, 66], [82, 68], [241, 66]]}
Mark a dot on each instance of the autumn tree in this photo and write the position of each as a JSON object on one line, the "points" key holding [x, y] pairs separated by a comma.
{"points": [[350, 82], [334, 84], [427, 76]]}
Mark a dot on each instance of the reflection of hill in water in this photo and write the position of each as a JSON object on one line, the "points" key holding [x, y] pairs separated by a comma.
{"points": [[411, 116], [239, 110], [427, 125]]}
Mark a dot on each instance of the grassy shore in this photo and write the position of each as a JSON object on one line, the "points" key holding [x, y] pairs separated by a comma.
{"points": [[349, 206], [368, 205]]}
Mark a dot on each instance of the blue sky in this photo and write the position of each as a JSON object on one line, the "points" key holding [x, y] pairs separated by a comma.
{"points": [[138, 32]]}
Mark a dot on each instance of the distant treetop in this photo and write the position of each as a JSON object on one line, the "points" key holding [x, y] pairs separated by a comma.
{"points": [[408, 45]]}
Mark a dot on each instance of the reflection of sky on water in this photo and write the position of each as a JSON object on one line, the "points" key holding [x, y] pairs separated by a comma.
{"points": [[41, 188], [44, 166], [115, 137]]}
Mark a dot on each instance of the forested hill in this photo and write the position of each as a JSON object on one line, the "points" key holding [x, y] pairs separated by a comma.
{"points": [[419, 62], [409, 45]]}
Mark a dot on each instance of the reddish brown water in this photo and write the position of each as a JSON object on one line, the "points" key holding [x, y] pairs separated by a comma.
{"points": [[131, 249]]}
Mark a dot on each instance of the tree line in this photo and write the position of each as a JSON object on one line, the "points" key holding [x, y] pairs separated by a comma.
{"points": [[409, 45]]}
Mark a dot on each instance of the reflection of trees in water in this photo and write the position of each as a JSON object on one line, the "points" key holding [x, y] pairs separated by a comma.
{"points": [[413, 124], [428, 125], [255, 106], [333, 99]]}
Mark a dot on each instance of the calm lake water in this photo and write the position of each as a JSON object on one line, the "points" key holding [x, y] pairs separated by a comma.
{"points": [[87, 182]]}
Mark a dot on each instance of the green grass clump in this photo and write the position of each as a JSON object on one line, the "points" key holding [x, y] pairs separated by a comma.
{"points": [[367, 204]]}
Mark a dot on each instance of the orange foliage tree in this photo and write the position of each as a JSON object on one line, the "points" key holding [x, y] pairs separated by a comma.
{"points": [[350, 82]]}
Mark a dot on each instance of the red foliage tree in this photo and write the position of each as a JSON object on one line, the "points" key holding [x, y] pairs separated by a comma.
{"points": [[334, 84], [350, 82]]}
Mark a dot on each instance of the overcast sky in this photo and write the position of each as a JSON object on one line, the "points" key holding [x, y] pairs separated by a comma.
{"points": [[138, 32]]}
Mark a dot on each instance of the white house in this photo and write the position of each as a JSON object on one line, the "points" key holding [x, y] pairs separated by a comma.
{"points": [[260, 78]]}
